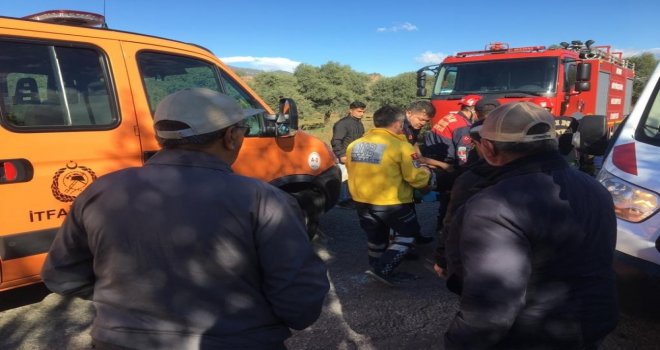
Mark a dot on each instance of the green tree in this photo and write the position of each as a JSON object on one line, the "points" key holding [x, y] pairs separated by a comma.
{"points": [[644, 66], [273, 85], [331, 87], [312, 86], [397, 91]]}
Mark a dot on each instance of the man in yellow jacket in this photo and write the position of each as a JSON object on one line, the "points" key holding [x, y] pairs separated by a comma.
{"points": [[384, 169]]}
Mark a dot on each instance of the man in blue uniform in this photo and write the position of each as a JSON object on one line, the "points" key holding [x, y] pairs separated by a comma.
{"points": [[184, 254]]}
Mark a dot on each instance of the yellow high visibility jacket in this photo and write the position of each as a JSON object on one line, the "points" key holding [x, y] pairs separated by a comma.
{"points": [[383, 169]]}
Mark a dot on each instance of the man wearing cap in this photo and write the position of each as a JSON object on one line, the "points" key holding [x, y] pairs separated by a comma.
{"points": [[449, 142], [184, 254], [535, 248], [472, 179], [485, 106]]}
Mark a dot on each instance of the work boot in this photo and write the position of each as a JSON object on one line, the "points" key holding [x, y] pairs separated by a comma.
{"points": [[422, 240], [380, 278]]}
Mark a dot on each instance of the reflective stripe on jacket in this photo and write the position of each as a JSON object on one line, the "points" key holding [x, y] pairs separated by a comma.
{"points": [[449, 140], [383, 169]]}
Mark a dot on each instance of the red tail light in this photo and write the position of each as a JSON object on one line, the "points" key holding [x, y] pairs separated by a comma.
{"points": [[624, 158], [10, 171], [15, 170]]}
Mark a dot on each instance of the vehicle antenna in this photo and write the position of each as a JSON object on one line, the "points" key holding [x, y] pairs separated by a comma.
{"points": [[105, 23]]}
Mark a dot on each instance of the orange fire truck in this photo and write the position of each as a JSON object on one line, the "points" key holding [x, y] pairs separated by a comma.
{"points": [[578, 78]]}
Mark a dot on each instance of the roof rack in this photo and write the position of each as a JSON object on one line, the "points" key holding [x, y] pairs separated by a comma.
{"points": [[70, 17], [500, 47]]}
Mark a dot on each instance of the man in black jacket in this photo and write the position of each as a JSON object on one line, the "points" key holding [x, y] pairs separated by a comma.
{"points": [[535, 247], [182, 253], [345, 131]]}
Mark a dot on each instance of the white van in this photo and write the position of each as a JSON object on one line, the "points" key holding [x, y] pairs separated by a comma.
{"points": [[631, 172]]}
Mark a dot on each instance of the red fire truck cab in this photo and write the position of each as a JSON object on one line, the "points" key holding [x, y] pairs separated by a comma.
{"points": [[577, 77]]}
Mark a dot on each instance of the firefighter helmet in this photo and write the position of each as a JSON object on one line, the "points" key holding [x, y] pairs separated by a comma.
{"points": [[469, 100], [544, 102]]}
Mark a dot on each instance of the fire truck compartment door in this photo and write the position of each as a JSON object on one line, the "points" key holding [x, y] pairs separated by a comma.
{"points": [[602, 95]]}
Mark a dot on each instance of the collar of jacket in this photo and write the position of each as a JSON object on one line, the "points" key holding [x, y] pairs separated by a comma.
{"points": [[408, 128], [189, 158], [465, 117], [383, 131], [536, 163]]}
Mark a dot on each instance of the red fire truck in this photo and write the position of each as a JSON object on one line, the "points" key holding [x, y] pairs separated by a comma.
{"points": [[577, 77]]}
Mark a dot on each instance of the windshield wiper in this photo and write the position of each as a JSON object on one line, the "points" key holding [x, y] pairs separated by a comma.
{"points": [[514, 93], [459, 95]]}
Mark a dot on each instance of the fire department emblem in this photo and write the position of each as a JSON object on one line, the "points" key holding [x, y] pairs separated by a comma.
{"points": [[314, 160], [69, 181], [462, 153], [415, 160]]}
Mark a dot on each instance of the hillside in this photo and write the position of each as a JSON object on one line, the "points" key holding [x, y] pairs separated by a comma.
{"points": [[251, 72]]}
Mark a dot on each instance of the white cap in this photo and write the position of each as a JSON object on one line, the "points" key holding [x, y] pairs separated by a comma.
{"points": [[203, 110]]}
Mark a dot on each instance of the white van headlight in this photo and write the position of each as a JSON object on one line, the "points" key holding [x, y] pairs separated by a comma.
{"points": [[631, 203]]}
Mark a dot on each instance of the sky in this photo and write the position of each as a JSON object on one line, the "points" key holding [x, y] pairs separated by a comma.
{"points": [[371, 36]]}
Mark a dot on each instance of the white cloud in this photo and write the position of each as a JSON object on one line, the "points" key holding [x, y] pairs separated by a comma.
{"points": [[264, 63], [429, 57], [407, 27], [634, 52]]}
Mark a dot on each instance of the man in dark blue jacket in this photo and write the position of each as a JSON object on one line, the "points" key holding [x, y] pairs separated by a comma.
{"points": [[184, 254], [535, 247]]}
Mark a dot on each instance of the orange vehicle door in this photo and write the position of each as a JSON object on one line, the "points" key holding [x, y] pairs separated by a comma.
{"points": [[156, 71], [62, 126]]}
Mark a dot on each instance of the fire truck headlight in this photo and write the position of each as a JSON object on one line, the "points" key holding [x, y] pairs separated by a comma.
{"points": [[631, 203]]}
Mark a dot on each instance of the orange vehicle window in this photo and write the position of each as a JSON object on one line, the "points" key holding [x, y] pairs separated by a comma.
{"points": [[233, 89], [163, 74], [46, 86]]}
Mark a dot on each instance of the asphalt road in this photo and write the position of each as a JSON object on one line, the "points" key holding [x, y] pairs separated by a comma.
{"points": [[359, 313]]}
